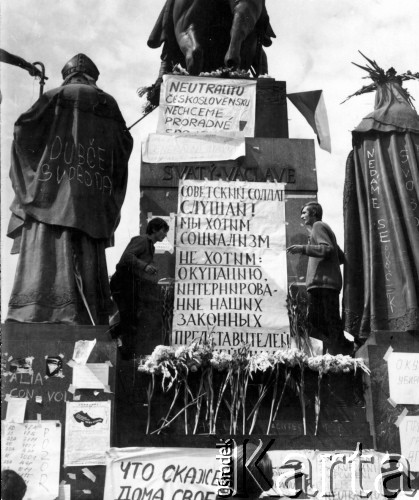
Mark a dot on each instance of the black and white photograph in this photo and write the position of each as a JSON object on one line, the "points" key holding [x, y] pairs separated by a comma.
{"points": [[209, 249]]}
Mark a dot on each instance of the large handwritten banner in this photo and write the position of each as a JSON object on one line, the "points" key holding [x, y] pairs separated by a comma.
{"points": [[161, 473], [199, 473], [207, 105], [231, 273], [32, 449]]}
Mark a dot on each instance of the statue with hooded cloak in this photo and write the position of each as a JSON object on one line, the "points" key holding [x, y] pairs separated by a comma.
{"points": [[69, 173], [381, 213]]}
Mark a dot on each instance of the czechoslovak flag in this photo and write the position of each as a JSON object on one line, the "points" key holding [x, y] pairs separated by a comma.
{"points": [[311, 105]]}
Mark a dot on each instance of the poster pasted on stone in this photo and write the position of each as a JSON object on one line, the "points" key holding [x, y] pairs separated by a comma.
{"points": [[165, 148], [409, 440], [87, 432], [231, 273], [194, 473], [202, 105], [403, 377], [32, 449]]}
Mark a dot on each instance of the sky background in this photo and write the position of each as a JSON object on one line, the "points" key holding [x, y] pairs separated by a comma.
{"points": [[316, 42]]}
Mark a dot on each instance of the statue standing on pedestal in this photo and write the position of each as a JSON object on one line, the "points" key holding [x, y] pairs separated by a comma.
{"points": [[204, 35], [381, 213], [69, 173]]}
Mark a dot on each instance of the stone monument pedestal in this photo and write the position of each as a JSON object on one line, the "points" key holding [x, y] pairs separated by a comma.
{"points": [[382, 413], [47, 395]]}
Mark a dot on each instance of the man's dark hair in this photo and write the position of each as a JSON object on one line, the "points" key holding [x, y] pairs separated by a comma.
{"points": [[252, 486], [156, 224], [314, 209], [13, 487]]}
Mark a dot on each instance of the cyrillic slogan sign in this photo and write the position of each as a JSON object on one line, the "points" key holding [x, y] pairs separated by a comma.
{"points": [[231, 273]]}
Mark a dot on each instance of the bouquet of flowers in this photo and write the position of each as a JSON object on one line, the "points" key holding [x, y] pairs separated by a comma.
{"points": [[201, 360]]}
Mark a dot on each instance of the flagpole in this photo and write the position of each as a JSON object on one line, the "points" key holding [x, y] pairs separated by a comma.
{"points": [[138, 121]]}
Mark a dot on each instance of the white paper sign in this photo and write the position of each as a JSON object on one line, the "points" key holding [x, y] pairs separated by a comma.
{"points": [[165, 473], [231, 270], [32, 449], [403, 377], [409, 440], [91, 376], [163, 148], [16, 409], [65, 492], [87, 432], [82, 350], [216, 106]]}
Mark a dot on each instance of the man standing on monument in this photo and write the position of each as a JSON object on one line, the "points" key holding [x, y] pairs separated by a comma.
{"points": [[323, 280], [69, 173], [134, 285]]}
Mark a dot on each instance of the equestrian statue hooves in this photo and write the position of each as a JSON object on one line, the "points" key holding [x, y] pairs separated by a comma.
{"points": [[203, 36]]}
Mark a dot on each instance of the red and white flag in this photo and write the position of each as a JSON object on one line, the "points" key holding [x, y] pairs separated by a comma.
{"points": [[311, 105]]}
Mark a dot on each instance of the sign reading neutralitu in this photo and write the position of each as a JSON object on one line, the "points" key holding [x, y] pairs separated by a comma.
{"points": [[207, 105]]}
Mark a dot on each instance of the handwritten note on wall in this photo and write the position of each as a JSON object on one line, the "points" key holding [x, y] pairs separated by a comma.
{"points": [[409, 440], [231, 275], [403, 377], [161, 473], [206, 105], [32, 449]]}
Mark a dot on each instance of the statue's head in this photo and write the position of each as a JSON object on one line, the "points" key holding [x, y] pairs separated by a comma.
{"points": [[80, 63]]}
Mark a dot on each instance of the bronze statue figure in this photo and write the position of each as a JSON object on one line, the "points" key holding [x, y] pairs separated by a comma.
{"points": [[204, 35], [69, 171]]}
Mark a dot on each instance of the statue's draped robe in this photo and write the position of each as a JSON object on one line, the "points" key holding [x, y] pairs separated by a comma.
{"points": [[381, 214], [69, 174]]}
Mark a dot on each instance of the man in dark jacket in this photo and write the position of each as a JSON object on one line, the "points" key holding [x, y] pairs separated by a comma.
{"points": [[323, 280], [135, 282]]}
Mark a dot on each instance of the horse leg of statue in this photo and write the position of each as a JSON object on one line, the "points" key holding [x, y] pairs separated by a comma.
{"points": [[245, 15], [190, 18], [248, 52]]}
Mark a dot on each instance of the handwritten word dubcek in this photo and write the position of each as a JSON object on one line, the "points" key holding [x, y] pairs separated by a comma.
{"points": [[67, 161]]}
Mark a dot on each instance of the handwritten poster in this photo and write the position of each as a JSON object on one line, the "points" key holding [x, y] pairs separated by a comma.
{"points": [[87, 432], [161, 473], [231, 273], [202, 105], [403, 377], [32, 449], [409, 440]]}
